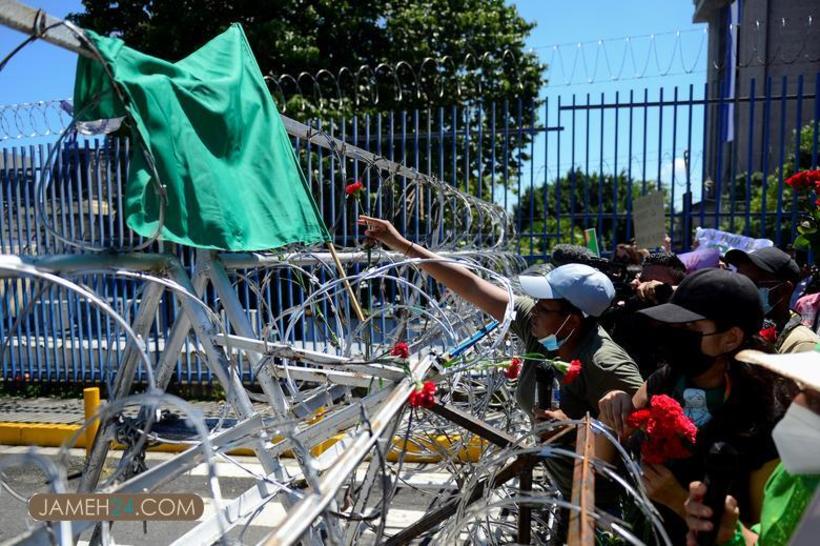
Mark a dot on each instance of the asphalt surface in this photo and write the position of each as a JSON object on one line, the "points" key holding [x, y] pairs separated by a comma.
{"points": [[410, 503]]}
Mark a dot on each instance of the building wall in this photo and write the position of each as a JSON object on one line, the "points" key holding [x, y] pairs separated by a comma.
{"points": [[767, 49]]}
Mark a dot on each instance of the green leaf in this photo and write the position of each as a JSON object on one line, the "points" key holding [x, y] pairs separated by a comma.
{"points": [[802, 242]]}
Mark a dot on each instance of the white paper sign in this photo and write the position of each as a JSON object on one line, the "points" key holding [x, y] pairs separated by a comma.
{"points": [[649, 220], [724, 241]]}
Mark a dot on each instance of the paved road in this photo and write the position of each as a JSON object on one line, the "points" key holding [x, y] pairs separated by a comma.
{"points": [[407, 506]]}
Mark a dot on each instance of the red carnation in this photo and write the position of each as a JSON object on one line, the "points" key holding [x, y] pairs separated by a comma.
{"points": [[401, 350], [355, 188], [817, 203], [423, 395], [804, 180], [799, 181], [768, 334], [668, 431], [514, 369], [573, 372]]}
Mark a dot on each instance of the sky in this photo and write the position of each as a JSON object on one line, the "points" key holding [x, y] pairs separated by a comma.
{"points": [[42, 71], [625, 45], [592, 47]]}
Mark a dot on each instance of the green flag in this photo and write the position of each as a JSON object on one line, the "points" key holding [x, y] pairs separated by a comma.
{"points": [[229, 169]]}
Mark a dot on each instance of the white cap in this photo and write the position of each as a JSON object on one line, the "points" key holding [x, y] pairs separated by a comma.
{"points": [[801, 367]]}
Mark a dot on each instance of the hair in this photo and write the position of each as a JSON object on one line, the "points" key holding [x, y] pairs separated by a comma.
{"points": [[751, 327], [570, 254], [630, 254], [588, 321], [669, 261]]}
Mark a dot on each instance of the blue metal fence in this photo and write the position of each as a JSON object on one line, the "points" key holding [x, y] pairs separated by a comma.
{"points": [[559, 165]]}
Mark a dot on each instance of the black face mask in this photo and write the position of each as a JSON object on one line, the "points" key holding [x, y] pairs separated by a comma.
{"points": [[680, 348]]}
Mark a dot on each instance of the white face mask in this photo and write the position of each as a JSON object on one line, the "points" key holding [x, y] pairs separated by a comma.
{"points": [[797, 437]]}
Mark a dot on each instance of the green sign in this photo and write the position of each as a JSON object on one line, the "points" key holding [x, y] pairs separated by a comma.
{"points": [[591, 239]]}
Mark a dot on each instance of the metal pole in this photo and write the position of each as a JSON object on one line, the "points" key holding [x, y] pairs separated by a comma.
{"points": [[241, 324], [314, 503], [125, 376]]}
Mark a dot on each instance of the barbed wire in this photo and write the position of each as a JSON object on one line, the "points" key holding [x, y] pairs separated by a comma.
{"points": [[424, 83]]}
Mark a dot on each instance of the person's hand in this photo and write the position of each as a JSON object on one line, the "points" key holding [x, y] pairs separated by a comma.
{"points": [[662, 487], [384, 232], [646, 290], [697, 515], [548, 415], [539, 416], [614, 409]]}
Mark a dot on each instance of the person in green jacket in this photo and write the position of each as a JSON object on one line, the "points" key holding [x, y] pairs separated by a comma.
{"points": [[793, 484]]}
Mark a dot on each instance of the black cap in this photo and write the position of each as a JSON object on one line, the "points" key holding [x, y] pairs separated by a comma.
{"points": [[769, 259], [713, 294]]}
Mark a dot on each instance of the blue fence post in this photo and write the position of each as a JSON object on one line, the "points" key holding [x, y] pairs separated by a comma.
{"points": [[749, 156]]}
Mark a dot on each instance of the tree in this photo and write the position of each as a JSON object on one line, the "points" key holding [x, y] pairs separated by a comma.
{"points": [[296, 36], [478, 44], [748, 192], [574, 202]]}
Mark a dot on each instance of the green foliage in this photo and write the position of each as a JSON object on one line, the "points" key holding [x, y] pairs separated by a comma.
{"points": [[302, 37], [574, 202], [296, 36], [766, 199]]}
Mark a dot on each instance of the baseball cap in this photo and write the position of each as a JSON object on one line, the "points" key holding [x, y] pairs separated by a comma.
{"points": [[769, 259], [713, 294], [583, 286]]}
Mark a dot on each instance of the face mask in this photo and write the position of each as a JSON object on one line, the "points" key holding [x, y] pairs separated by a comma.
{"points": [[764, 299], [551, 342], [680, 349], [764, 294], [797, 437]]}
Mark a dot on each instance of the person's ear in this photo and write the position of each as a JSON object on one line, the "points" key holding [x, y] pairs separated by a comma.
{"points": [[575, 321], [731, 340]]}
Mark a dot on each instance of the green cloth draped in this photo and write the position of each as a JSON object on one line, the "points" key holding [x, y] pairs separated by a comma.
{"points": [[221, 151], [785, 499]]}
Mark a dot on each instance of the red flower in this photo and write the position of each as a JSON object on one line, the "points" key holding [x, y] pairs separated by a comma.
{"points": [[804, 180], [798, 181], [514, 369], [817, 202], [668, 431], [354, 188], [401, 350], [768, 334], [423, 396], [573, 372]]}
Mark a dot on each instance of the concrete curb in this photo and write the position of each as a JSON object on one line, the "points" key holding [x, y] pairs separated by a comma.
{"points": [[57, 435]]}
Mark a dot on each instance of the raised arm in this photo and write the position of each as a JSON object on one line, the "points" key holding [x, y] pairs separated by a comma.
{"points": [[486, 296]]}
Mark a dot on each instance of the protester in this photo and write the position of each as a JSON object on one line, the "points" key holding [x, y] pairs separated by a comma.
{"points": [[700, 258], [776, 274], [659, 274], [629, 254], [793, 484], [712, 315], [570, 254], [558, 320]]}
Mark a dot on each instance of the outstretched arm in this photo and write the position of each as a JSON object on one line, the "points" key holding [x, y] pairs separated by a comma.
{"points": [[486, 296]]}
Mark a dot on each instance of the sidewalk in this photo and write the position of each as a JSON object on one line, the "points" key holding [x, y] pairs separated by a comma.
{"points": [[49, 422], [69, 411]]}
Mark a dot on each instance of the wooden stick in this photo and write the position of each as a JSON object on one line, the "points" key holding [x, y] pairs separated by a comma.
{"points": [[581, 524], [355, 302]]}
